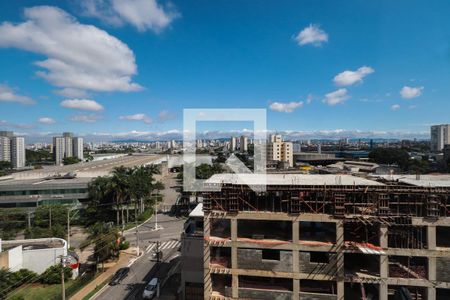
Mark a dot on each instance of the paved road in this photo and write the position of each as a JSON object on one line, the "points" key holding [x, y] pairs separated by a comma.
{"points": [[145, 268]]}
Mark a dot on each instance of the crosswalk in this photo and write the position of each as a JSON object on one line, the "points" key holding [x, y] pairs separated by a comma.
{"points": [[163, 246]]}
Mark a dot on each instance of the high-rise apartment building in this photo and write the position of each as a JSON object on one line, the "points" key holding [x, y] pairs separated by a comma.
{"points": [[12, 149], [243, 144], [77, 144], [278, 150], [67, 146], [5, 148], [58, 150], [233, 144], [440, 136], [18, 152]]}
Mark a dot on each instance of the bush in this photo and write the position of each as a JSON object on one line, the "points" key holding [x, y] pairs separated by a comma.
{"points": [[53, 275], [124, 245]]}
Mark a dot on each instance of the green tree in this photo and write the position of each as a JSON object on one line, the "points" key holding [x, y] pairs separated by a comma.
{"points": [[71, 160], [106, 239], [390, 156], [53, 274]]}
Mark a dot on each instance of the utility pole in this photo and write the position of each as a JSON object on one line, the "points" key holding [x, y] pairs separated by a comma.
{"points": [[50, 217], [63, 288], [137, 236], [68, 228], [29, 219]]}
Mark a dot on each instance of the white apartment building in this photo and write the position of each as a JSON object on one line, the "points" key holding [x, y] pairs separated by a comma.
{"points": [[12, 149], [68, 144], [5, 148], [58, 149], [440, 136], [278, 150], [18, 152], [243, 144], [77, 144], [233, 144]]}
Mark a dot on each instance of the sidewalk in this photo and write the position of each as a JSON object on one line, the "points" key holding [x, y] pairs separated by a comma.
{"points": [[123, 261]]}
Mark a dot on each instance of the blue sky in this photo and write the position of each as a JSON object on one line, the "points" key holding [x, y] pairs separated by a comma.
{"points": [[128, 68]]}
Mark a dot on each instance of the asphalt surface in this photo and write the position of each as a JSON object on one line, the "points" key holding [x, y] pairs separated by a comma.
{"points": [[144, 268]]}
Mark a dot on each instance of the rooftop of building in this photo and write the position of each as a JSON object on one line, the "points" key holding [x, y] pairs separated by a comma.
{"points": [[289, 179], [42, 183], [33, 244], [87, 169], [431, 180]]}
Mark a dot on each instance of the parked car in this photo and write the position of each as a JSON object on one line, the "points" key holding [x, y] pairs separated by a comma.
{"points": [[119, 276], [151, 289]]}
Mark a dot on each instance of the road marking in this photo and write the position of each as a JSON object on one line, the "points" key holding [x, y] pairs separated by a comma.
{"points": [[163, 246]]}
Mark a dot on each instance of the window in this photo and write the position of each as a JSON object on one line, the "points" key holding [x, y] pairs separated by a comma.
{"points": [[270, 254], [319, 257]]}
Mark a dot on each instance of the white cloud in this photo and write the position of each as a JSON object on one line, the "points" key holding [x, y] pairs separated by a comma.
{"points": [[79, 57], [312, 35], [142, 14], [351, 77], [91, 118], [71, 93], [309, 98], [412, 106], [395, 107], [336, 97], [7, 94], [165, 115], [46, 121], [82, 104], [408, 92], [287, 107], [137, 117]]}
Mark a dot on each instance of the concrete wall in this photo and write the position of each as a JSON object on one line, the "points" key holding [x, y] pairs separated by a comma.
{"points": [[442, 269], [264, 294], [252, 259], [306, 266], [192, 259], [15, 259]]}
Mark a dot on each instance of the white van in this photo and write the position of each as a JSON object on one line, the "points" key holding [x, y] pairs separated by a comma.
{"points": [[151, 288]]}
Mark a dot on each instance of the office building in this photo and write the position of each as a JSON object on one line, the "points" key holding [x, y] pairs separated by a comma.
{"points": [[243, 144], [18, 152], [278, 150], [326, 237], [440, 136], [12, 149]]}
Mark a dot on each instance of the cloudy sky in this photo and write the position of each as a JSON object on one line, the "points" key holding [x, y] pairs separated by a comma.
{"points": [[130, 67]]}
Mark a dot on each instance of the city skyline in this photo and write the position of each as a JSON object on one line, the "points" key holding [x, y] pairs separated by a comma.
{"points": [[321, 71]]}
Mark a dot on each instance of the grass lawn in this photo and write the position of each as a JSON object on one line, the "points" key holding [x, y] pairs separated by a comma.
{"points": [[39, 292]]}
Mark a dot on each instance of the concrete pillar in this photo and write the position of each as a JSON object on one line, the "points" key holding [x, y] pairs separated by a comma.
{"points": [[383, 236], [296, 289], [432, 269], [207, 284], [235, 286], [384, 266], [383, 291], [431, 293], [234, 264], [295, 259], [340, 290], [340, 259], [431, 237], [233, 229]]}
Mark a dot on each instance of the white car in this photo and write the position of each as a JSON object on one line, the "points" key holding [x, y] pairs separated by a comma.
{"points": [[151, 289]]}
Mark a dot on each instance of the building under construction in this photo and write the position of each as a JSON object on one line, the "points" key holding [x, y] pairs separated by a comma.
{"points": [[326, 237]]}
